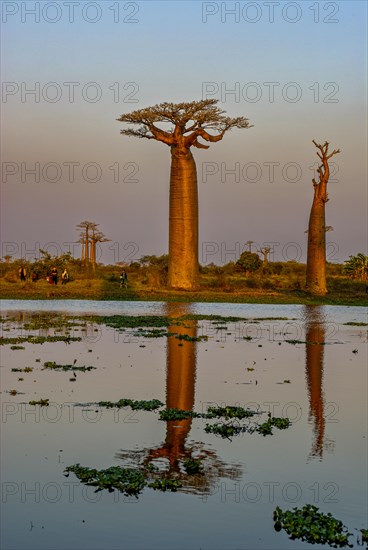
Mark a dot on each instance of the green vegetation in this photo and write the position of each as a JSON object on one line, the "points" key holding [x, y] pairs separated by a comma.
{"points": [[307, 524], [41, 402], [166, 484], [26, 369], [225, 430], [134, 405], [38, 339], [280, 423], [130, 481], [53, 366], [126, 480], [249, 262], [193, 466], [274, 282], [229, 412], [357, 267]]}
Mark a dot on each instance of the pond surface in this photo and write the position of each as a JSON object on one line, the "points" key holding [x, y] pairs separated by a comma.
{"points": [[300, 362]]}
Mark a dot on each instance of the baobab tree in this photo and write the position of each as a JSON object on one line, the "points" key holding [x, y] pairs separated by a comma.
{"points": [[316, 260], [188, 122], [265, 252], [96, 237], [86, 227]]}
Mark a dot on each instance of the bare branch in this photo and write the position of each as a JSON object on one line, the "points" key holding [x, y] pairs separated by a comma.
{"points": [[197, 117]]}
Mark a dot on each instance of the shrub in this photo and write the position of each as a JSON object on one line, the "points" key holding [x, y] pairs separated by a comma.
{"points": [[249, 262]]}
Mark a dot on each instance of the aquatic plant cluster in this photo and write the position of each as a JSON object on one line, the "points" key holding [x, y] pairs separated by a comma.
{"points": [[310, 525]]}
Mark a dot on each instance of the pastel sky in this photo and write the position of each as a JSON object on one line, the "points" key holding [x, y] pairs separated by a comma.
{"points": [[297, 70]]}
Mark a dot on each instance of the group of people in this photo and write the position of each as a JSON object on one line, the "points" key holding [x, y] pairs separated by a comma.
{"points": [[52, 278]]}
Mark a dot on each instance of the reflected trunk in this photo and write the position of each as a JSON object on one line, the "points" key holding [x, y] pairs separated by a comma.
{"points": [[315, 338]]}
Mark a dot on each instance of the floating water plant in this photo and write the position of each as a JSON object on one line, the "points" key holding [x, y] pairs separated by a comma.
{"points": [[225, 430], [31, 339], [310, 525], [229, 412], [280, 423], [166, 484], [54, 366], [130, 481], [41, 402], [26, 369], [151, 405], [193, 466]]}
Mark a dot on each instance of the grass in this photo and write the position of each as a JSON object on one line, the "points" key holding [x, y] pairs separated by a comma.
{"points": [[342, 291]]}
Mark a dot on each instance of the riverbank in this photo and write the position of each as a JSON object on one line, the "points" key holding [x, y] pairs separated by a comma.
{"points": [[97, 289]]}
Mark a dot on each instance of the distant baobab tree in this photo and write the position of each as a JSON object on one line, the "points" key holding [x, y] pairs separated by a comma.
{"points": [[265, 253], [96, 237], [7, 258], [86, 227], [89, 236], [187, 123], [316, 259]]}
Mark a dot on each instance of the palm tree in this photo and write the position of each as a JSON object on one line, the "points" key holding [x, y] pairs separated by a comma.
{"points": [[316, 260], [187, 123]]}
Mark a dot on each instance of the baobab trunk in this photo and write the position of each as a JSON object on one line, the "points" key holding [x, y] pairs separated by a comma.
{"points": [[93, 254], [183, 221], [316, 261]]}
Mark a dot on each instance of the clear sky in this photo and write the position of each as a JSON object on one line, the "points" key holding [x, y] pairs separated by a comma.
{"points": [[297, 70]]}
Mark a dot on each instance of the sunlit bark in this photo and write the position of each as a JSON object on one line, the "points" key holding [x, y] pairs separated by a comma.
{"points": [[316, 259], [190, 121]]}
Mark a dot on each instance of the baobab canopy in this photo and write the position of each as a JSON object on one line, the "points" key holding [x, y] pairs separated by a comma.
{"points": [[181, 125], [190, 120]]}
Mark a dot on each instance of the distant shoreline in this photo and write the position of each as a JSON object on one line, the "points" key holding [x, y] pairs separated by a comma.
{"points": [[93, 290]]}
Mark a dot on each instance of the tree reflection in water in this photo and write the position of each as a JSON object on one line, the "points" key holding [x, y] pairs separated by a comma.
{"points": [[181, 366], [315, 330]]}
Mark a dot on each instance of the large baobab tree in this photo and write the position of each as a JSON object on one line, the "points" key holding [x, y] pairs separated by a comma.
{"points": [[316, 260], [180, 126]]}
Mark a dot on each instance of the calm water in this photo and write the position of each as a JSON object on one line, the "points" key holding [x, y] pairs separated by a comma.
{"points": [[321, 459]]}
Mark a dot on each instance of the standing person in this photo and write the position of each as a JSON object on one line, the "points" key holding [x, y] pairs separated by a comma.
{"points": [[22, 273], [64, 277], [54, 275], [124, 279]]}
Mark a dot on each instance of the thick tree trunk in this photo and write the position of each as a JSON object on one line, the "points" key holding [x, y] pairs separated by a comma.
{"points": [[316, 260], [87, 247], [93, 254], [183, 221]]}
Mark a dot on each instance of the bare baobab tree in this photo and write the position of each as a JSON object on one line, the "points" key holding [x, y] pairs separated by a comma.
{"points": [[86, 228], [316, 260], [265, 252], [188, 122], [96, 237]]}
